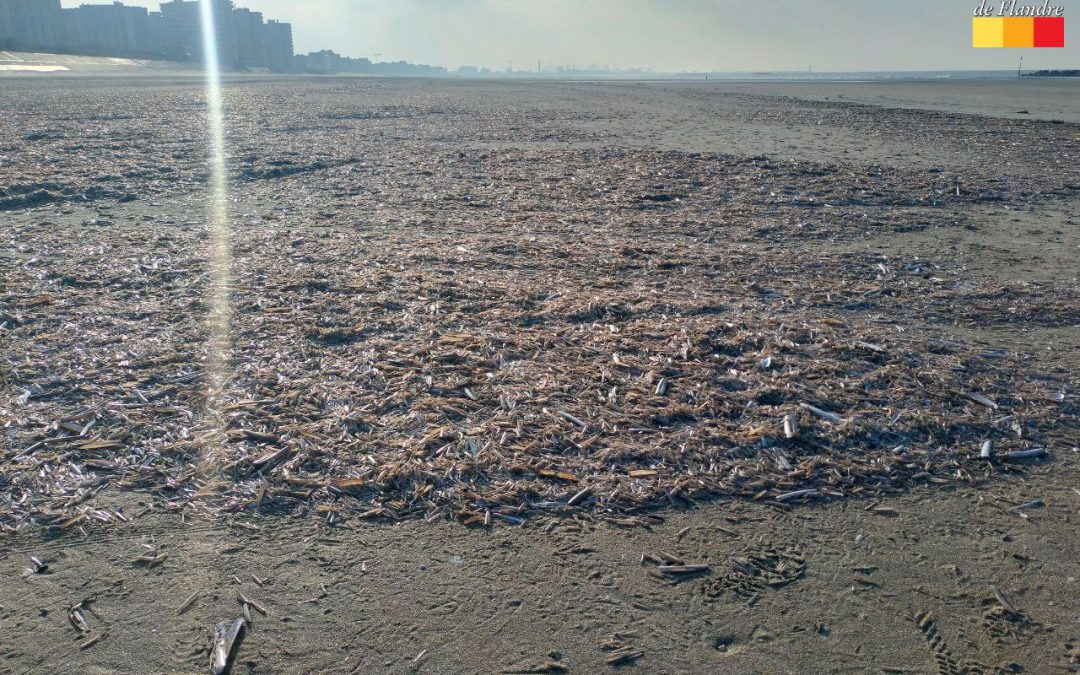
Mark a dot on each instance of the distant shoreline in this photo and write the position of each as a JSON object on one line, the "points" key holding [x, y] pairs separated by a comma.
{"points": [[1054, 73], [39, 63]]}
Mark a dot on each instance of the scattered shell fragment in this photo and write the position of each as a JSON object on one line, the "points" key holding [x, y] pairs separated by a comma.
{"points": [[980, 399], [823, 414], [579, 497], [791, 425], [225, 636], [187, 603], [1025, 454], [1005, 604], [683, 569], [796, 494]]}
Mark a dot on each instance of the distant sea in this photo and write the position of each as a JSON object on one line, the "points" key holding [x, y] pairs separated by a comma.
{"points": [[796, 76]]}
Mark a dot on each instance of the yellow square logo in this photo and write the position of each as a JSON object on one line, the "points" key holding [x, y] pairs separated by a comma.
{"points": [[988, 31]]}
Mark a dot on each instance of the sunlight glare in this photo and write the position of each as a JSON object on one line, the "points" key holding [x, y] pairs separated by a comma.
{"points": [[217, 224]]}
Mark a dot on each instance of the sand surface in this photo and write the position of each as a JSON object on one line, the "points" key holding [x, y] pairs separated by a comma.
{"points": [[971, 207], [1028, 97]]}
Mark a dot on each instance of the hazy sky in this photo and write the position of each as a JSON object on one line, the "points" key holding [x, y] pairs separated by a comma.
{"points": [[670, 35]]}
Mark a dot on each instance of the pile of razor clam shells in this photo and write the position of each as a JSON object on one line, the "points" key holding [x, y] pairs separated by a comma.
{"points": [[438, 311]]}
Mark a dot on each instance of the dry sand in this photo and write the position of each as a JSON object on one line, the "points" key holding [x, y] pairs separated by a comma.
{"points": [[855, 577]]}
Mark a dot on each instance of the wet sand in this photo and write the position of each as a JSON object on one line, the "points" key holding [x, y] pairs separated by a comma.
{"points": [[1040, 98]]}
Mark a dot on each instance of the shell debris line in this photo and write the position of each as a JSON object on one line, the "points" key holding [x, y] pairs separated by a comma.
{"points": [[481, 333]]}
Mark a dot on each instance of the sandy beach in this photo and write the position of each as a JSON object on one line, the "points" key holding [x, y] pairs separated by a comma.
{"points": [[505, 356]]}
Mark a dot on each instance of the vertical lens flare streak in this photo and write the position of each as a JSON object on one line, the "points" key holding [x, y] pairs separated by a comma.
{"points": [[217, 217]]}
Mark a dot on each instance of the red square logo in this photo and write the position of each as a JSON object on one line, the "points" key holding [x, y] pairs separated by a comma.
{"points": [[1049, 31]]}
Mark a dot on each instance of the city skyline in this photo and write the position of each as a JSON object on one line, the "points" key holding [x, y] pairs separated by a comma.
{"points": [[173, 32], [244, 41]]}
